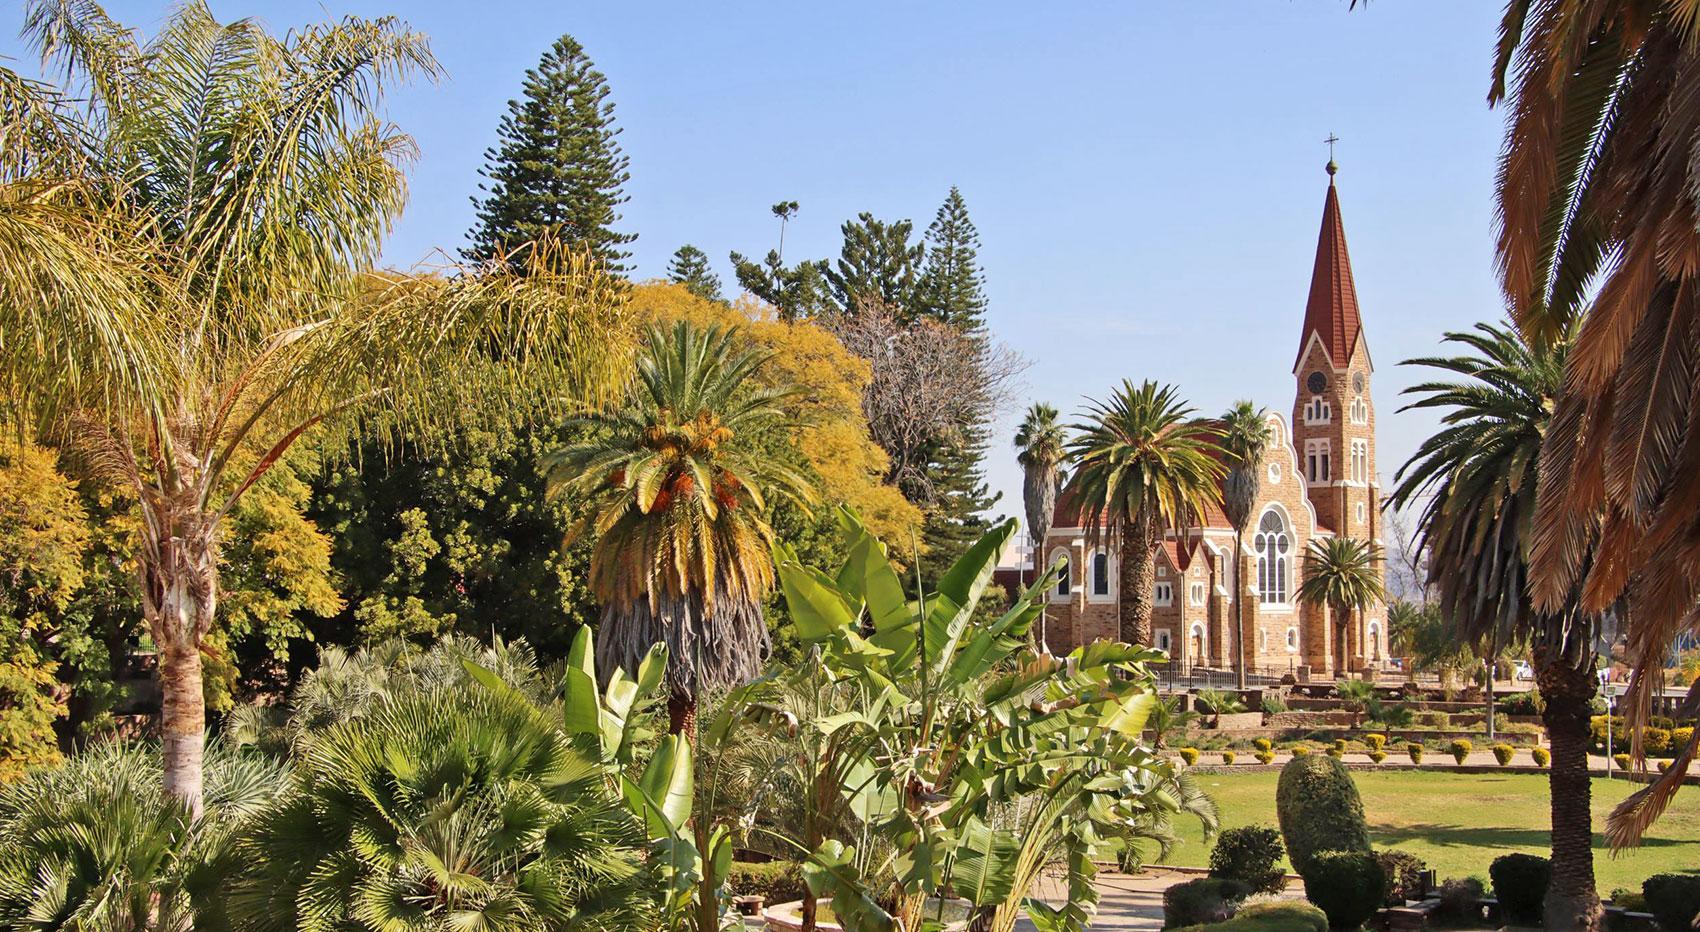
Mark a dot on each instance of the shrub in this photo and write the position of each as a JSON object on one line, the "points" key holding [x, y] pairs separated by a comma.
{"points": [[1460, 748], [1396, 716], [1340, 745], [1404, 874], [1228, 757], [1375, 741], [1655, 741], [1273, 704], [1251, 855], [1190, 755], [1673, 899], [1415, 751], [1265, 757], [1664, 765], [1349, 886], [1434, 720], [1520, 885], [1621, 760], [1679, 738], [1528, 703], [1275, 915], [1503, 753], [1301, 750], [1263, 744], [778, 881], [1377, 757], [1319, 809], [1207, 899], [1460, 902], [1220, 702], [1542, 756], [1336, 753], [1631, 900]]}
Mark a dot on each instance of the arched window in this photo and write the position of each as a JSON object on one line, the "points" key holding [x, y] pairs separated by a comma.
{"points": [[1065, 584], [1292, 640], [1100, 573], [1273, 545]]}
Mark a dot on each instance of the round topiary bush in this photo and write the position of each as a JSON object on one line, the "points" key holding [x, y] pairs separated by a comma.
{"points": [[1503, 753], [1265, 757], [1251, 855], [1416, 752], [1376, 757], [1349, 886], [1673, 899], [1274, 915], [1319, 809], [1190, 755], [1205, 900], [1520, 884], [1263, 744], [1460, 748], [1228, 757], [1542, 756]]}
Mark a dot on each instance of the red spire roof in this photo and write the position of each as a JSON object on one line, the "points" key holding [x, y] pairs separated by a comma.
{"points": [[1332, 311]]}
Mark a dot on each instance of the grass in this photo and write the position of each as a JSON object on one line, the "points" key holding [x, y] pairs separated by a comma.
{"points": [[1460, 822]]}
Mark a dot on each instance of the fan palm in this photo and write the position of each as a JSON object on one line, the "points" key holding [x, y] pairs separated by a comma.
{"points": [[1597, 224], [678, 495], [1245, 437], [1141, 467], [188, 248], [1343, 574], [1477, 480], [1039, 445]]}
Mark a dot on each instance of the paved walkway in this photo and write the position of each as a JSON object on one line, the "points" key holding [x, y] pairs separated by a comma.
{"points": [[1129, 902]]}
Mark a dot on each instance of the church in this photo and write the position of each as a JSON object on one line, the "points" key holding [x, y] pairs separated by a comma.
{"points": [[1318, 479]]}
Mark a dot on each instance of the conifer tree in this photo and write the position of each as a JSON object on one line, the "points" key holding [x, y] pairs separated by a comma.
{"points": [[690, 268], [799, 292], [558, 167], [952, 287], [877, 261]]}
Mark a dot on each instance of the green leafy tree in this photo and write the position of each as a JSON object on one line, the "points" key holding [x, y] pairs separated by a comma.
{"points": [[952, 287], [1342, 574], [1245, 437], [1478, 479], [678, 503], [192, 240], [877, 262], [799, 292], [1141, 466], [557, 170], [689, 267]]}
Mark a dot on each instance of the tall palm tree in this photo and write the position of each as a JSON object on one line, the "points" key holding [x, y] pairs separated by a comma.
{"points": [[188, 240], [1040, 448], [1343, 574], [1142, 466], [1477, 481], [1596, 211], [678, 493], [1245, 437]]}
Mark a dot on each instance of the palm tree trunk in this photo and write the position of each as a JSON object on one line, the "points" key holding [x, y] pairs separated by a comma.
{"points": [[1136, 574], [1572, 902], [178, 567], [1238, 592]]}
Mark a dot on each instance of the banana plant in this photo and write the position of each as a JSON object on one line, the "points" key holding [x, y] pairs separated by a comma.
{"points": [[958, 721]]}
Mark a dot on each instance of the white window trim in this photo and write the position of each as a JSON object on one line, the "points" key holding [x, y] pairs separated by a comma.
{"points": [[1163, 594], [1292, 640], [1318, 410], [1319, 451], [1196, 594], [1163, 639], [1068, 576], [1109, 594], [1360, 411]]}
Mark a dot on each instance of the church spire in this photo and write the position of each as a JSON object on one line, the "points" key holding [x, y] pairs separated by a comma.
{"points": [[1331, 313]]}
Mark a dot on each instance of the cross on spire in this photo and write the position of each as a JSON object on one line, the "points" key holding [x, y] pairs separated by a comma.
{"points": [[1332, 167]]}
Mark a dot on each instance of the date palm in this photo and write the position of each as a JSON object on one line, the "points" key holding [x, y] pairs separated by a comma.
{"points": [[1245, 437], [188, 244], [1343, 574], [678, 493], [1596, 207], [1477, 483], [1142, 466], [1040, 448]]}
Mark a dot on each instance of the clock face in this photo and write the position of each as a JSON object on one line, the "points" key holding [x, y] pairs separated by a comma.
{"points": [[1358, 382], [1317, 382]]}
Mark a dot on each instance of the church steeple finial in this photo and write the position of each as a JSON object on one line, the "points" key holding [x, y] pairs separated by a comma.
{"points": [[1332, 165]]}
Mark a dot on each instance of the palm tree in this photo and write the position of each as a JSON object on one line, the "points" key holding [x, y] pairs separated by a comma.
{"points": [[188, 240], [1477, 479], [1595, 198], [1343, 574], [1039, 444], [1142, 467], [1245, 437], [678, 493]]}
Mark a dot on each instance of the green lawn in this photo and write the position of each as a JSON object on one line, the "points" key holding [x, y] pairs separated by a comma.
{"points": [[1460, 822]]}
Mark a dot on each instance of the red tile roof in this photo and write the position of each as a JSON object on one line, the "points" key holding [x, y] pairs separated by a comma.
{"points": [[1332, 310]]}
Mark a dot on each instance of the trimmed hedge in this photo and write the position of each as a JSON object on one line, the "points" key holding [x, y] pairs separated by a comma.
{"points": [[1263, 744], [1520, 884], [1190, 755], [1459, 749], [1349, 886], [1416, 752], [1251, 855], [779, 881], [1376, 757], [1375, 740], [1205, 900], [1271, 916], [1542, 756], [1227, 757], [1265, 757], [1503, 753], [1673, 899], [1319, 809]]}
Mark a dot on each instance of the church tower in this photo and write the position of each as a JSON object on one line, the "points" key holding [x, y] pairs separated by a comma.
{"points": [[1333, 417]]}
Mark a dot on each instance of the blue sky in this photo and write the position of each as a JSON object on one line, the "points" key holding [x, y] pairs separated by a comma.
{"points": [[1146, 177]]}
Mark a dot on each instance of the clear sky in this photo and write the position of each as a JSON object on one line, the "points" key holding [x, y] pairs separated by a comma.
{"points": [[1146, 177]]}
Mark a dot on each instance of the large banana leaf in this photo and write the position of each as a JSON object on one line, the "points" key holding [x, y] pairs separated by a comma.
{"points": [[984, 871], [831, 872]]}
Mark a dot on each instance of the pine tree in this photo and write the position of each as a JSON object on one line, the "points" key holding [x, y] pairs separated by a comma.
{"points": [[799, 292], [877, 261], [952, 287], [957, 517], [690, 268], [558, 167]]}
